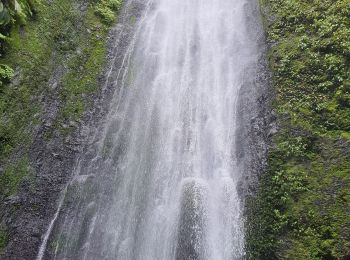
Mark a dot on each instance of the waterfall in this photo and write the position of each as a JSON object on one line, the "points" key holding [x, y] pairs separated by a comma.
{"points": [[160, 179]]}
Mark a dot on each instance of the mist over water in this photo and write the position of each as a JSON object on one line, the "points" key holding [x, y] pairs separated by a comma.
{"points": [[160, 178]]}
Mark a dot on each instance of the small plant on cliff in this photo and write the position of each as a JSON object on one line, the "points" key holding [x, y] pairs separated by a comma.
{"points": [[12, 12], [6, 74], [107, 10]]}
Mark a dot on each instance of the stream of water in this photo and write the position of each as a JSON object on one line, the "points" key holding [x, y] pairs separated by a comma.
{"points": [[161, 180]]}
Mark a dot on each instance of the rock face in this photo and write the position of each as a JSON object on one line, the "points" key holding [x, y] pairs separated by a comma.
{"points": [[28, 214], [256, 118], [303, 196]]}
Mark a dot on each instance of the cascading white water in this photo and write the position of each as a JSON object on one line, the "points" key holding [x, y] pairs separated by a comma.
{"points": [[162, 183]]}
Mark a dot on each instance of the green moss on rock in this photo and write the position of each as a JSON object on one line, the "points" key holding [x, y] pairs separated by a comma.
{"points": [[13, 175], [3, 240], [301, 210], [60, 37], [58, 53], [106, 10]]}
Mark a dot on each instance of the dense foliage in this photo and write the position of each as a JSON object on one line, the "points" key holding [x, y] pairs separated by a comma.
{"points": [[302, 209], [12, 12]]}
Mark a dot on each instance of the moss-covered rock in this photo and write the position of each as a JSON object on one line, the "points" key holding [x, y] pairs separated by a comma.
{"points": [[3, 239], [35, 51], [55, 56], [301, 210]]}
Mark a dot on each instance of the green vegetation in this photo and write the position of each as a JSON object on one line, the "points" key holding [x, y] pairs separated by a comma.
{"points": [[3, 239], [106, 10], [13, 12], [36, 54], [6, 74], [13, 176], [302, 208], [47, 49]]}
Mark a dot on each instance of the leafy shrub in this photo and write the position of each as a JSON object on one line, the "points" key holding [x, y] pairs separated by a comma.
{"points": [[107, 10], [6, 74], [14, 12]]}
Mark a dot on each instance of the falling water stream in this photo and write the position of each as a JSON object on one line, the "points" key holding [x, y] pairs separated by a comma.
{"points": [[160, 180]]}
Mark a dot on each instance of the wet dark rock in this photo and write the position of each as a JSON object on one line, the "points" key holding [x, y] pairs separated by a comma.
{"points": [[256, 118], [13, 200]]}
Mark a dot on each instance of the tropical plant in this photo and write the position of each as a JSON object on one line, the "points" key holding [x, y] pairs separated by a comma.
{"points": [[14, 12]]}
